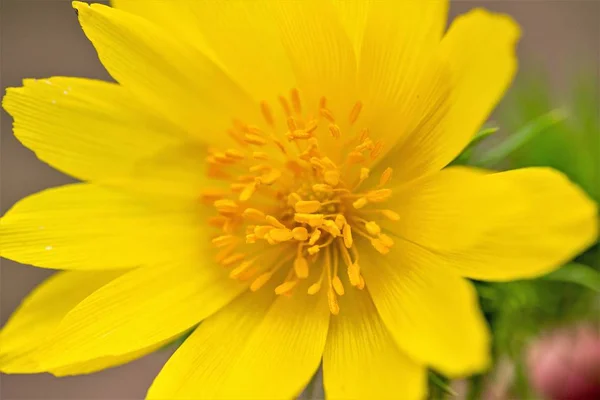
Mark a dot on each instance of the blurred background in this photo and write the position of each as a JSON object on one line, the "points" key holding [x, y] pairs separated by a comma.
{"points": [[560, 63]]}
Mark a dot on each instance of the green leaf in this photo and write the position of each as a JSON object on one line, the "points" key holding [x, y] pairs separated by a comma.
{"points": [[580, 274], [464, 157], [515, 141]]}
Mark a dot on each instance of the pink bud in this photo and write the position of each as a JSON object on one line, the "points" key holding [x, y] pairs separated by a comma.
{"points": [[565, 365]]}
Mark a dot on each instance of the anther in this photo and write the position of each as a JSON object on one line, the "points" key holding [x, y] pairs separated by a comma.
{"points": [[335, 131], [253, 213], [334, 307], [380, 246], [354, 274], [237, 271], [247, 192], [355, 112], [385, 176], [364, 173], [232, 259], [251, 138], [340, 221], [300, 233], [332, 177], [307, 206], [260, 281], [314, 237], [377, 196], [274, 221], [361, 284], [301, 267], [281, 234], [376, 151], [391, 215], [373, 228], [270, 177], [222, 241], [226, 206], [259, 155], [285, 287], [322, 188], [360, 203], [267, 114], [337, 285], [313, 250], [386, 240], [332, 228], [347, 234], [313, 220], [285, 105], [327, 114], [293, 198], [296, 104], [262, 230], [234, 154]]}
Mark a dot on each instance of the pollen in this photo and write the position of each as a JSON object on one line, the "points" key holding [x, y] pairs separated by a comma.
{"points": [[296, 202]]}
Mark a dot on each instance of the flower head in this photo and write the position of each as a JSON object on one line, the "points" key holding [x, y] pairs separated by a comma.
{"points": [[274, 170]]}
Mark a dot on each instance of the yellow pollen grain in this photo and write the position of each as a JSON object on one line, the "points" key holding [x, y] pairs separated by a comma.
{"points": [[299, 134], [260, 281], [314, 237], [332, 177], [385, 176], [355, 112], [307, 206], [301, 267], [373, 228], [281, 234], [391, 215], [360, 203], [266, 112], [347, 234], [274, 221], [254, 139]]}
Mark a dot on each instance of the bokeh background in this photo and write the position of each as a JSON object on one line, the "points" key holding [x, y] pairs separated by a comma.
{"points": [[42, 38]]}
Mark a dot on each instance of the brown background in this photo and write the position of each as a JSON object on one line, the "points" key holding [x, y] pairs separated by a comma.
{"points": [[41, 38]]}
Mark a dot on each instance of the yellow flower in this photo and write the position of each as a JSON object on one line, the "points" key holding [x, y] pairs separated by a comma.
{"points": [[273, 169]]}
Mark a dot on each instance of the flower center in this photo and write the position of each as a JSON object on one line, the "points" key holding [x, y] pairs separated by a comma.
{"points": [[286, 204]]}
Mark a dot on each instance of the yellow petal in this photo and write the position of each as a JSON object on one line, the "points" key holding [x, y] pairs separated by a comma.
{"points": [[361, 359], [431, 312], [41, 312], [83, 226], [400, 40], [140, 309], [254, 348], [320, 53], [85, 128], [499, 226], [241, 35], [474, 66], [169, 76]]}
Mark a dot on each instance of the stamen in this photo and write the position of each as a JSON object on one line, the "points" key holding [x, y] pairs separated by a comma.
{"points": [[314, 237], [332, 177], [295, 94], [378, 196], [307, 207], [391, 215], [360, 203], [267, 114], [281, 234], [259, 155], [274, 221], [385, 176], [251, 138], [313, 220], [253, 213], [237, 271], [225, 240], [373, 228], [285, 287], [347, 233], [322, 188], [301, 266], [300, 233], [355, 112], [335, 131], [285, 105]]}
